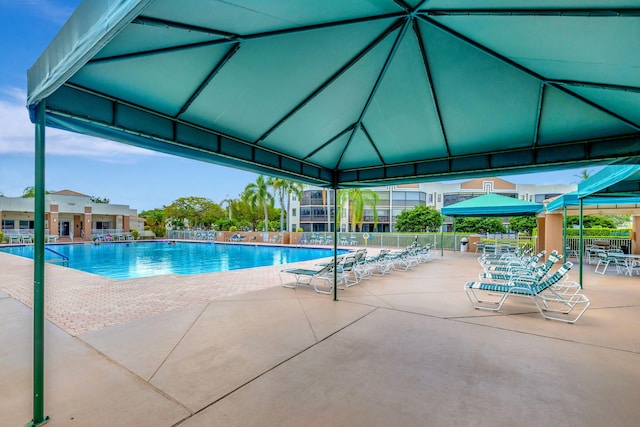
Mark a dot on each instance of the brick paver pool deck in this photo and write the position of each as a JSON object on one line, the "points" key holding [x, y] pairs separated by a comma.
{"points": [[237, 349], [79, 302]]}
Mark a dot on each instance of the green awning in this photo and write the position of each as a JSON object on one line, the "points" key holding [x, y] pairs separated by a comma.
{"points": [[493, 205], [571, 200], [353, 93], [615, 182]]}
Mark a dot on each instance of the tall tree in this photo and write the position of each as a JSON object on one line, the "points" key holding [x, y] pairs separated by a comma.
{"points": [[229, 205], [30, 192], [198, 211], [357, 199], [96, 199], [279, 186], [282, 190], [257, 194], [583, 175], [419, 219], [523, 224]]}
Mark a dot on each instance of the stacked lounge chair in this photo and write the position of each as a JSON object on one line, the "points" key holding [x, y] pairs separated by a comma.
{"points": [[555, 296]]}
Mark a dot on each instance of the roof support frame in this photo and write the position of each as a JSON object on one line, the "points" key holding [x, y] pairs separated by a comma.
{"points": [[232, 51], [366, 133], [595, 85], [242, 38], [527, 71], [180, 136], [155, 22], [346, 130], [331, 79], [561, 11], [434, 96], [536, 131], [376, 85], [602, 150]]}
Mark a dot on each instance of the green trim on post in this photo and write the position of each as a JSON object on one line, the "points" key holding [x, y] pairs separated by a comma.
{"points": [[38, 273], [564, 231], [335, 243], [581, 243], [454, 234]]}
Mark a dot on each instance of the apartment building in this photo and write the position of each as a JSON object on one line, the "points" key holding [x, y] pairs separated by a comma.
{"points": [[315, 212]]}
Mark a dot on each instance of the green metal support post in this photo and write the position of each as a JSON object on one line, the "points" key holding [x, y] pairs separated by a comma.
{"points": [[335, 243], [581, 243], [38, 273], [564, 232]]}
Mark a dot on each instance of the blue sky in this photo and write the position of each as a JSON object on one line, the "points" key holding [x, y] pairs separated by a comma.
{"points": [[124, 174]]}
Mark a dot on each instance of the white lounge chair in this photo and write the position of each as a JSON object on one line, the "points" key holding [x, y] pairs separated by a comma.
{"points": [[313, 277], [549, 295]]}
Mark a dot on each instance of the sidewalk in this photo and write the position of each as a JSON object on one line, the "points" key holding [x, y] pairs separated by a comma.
{"points": [[406, 349]]}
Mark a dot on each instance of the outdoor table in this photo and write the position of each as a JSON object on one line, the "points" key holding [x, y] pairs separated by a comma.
{"points": [[630, 261]]}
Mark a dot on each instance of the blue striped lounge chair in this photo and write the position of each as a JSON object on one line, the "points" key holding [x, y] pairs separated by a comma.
{"points": [[554, 299], [504, 275]]}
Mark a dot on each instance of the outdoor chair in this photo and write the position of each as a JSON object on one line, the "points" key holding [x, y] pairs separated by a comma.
{"points": [[375, 265], [609, 258], [533, 269], [404, 260], [276, 239], [550, 295], [313, 277]]}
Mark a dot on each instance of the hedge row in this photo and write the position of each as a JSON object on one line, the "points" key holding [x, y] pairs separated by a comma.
{"points": [[599, 232]]}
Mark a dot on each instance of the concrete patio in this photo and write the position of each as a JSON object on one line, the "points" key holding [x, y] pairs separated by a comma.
{"points": [[237, 349]]}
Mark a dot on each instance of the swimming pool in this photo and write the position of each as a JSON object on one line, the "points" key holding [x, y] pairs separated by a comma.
{"points": [[144, 259]]}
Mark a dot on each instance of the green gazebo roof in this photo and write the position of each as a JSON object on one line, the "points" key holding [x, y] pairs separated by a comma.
{"points": [[353, 93], [493, 205]]}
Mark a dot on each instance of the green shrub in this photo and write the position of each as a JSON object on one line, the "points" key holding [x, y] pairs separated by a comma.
{"points": [[599, 232], [300, 230], [233, 228], [1, 237], [135, 234], [159, 230]]}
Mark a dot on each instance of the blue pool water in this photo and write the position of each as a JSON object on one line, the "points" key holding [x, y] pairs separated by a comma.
{"points": [[143, 259]]}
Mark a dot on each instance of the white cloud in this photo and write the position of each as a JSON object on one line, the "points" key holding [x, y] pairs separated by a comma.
{"points": [[17, 135], [56, 12]]}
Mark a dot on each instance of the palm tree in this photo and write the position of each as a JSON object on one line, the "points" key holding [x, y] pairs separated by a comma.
{"points": [[356, 199], [229, 202], [583, 175], [279, 186], [257, 193], [283, 188]]}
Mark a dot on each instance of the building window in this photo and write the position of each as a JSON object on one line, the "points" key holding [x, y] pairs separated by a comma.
{"points": [[103, 225], [294, 227], [293, 212], [27, 225], [7, 224]]}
